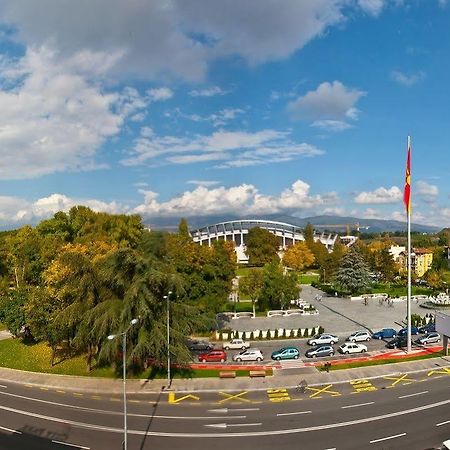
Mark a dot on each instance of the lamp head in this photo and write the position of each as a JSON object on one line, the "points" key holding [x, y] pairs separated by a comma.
{"points": [[111, 337], [134, 321]]}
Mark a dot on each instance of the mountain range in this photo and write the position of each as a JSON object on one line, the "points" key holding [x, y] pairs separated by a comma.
{"points": [[337, 224]]}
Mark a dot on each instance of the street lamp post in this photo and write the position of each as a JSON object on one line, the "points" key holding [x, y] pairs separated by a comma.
{"points": [[124, 374], [168, 336]]}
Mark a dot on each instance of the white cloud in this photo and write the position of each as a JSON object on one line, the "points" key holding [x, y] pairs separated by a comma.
{"points": [[330, 101], [371, 213], [331, 125], [160, 94], [407, 80], [205, 183], [53, 117], [176, 38], [373, 7], [380, 195], [208, 92], [15, 210], [235, 148], [217, 119], [425, 189], [240, 199]]}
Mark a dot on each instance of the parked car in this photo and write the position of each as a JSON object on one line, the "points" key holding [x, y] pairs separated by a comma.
{"points": [[249, 355], [431, 326], [350, 347], [286, 353], [236, 344], [320, 350], [199, 346], [404, 331], [430, 338], [385, 333], [398, 342], [359, 336], [323, 339], [213, 356]]}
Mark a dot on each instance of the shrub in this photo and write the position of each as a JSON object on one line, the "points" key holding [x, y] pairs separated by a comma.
{"points": [[252, 336], [276, 333], [306, 333], [321, 330]]}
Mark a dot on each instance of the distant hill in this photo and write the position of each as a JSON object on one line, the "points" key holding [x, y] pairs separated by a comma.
{"points": [[335, 224]]}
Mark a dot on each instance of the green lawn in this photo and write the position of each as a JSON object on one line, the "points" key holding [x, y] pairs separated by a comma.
{"points": [[2, 326], [380, 362], [308, 278]]}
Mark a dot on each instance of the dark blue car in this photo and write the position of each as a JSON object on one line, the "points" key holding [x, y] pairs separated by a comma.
{"points": [[428, 328], [385, 333], [404, 331]]}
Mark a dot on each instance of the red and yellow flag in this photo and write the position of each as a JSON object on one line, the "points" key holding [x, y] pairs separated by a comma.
{"points": [[407, 191]]}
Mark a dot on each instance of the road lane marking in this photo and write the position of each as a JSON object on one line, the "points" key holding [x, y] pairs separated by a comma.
{"points": [[413, 395], [402, 379], [70, 445], [294, 413], [443, 423], [172, 400], [114, 413], [362, 386], [228, 425], [60, 392], [443, 371], [322, 390], [238, 397], [387, 438], [104, 428], [227, 410], [3, 386], [278, 395], [359, 404], [10, 430]]}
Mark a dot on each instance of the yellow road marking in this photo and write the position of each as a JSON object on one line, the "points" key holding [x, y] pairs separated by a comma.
{"points": [[114, 399], [278, 395], [43, 389], [402, 379], [237, 397], [96, 397], [362, 386], [443, 371], [76, 394], [322, 390], [173, 400], [61, 392]]}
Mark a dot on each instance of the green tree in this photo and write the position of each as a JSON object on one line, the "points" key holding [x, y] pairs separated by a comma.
{"points": [[183, 229], [12, 312], [353, 273], [298, 257], [279, 288], [262, 246], [308, 233], [251, 285]]}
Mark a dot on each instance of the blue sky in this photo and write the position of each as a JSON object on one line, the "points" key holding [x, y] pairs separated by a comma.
{"points": [[176, 108]]}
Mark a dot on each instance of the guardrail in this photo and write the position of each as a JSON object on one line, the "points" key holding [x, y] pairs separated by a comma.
{"points": [[291, 312]]}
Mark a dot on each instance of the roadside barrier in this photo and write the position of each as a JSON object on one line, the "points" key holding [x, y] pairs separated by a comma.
{"points": [[227, 374], [257, 373]]}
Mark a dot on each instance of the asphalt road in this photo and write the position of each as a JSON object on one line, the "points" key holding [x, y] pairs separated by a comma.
{"points": [[400, 412]]}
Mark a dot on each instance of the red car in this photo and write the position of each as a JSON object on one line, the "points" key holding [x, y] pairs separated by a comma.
{"points": [[213, 356]]}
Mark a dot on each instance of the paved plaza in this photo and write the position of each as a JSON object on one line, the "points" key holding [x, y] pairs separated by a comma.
{"points": [[336, 314]]}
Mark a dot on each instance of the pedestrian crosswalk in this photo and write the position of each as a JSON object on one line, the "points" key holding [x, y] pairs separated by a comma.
{"points": [[292, 364]]}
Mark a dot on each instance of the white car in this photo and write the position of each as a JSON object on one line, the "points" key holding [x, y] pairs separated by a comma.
{"points": [[323, 339], [350, 347], [430, 338], [249, 355], [236, 344], [359, 336]]}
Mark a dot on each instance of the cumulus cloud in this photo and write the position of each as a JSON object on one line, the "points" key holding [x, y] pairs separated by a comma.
{"points": [[220, 118], [407, 80], [380, 195], [426, 190], [241, 199], [208, 92], [192, 32], [54, 117], [235, 148], [160, 94], [205, 183], [16, 210], [329, 102], [373, 7]]}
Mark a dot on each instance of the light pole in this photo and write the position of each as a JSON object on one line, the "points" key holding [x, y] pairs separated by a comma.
{"points": [[168, 337], [124, 373]]}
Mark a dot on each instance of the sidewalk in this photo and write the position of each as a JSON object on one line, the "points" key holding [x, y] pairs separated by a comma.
{"points": [[285, 378]]}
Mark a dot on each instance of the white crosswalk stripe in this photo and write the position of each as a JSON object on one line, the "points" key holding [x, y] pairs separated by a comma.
{"points": [[292, 364]]}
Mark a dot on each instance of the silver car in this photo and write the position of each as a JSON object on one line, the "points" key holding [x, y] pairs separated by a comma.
{"points": [[430, 338], [359, 336], [323, 339]]}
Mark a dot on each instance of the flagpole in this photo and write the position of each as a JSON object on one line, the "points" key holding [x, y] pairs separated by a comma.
{"points": [[408, 303]]}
